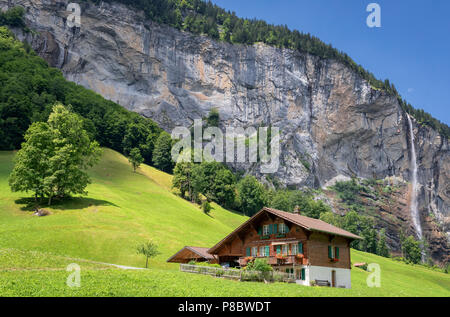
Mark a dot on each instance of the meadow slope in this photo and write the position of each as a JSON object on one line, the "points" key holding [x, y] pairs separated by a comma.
{"points": [[124, 208]]}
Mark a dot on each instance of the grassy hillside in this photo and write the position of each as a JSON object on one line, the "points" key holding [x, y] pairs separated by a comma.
{"points": [[30, 273], [124, 208]]}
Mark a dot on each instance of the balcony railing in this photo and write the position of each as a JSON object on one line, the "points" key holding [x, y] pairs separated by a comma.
{"points": [[277, 260], [243, 275]]}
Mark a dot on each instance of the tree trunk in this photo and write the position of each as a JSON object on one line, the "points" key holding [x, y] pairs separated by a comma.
{"points": [[50, 200], [146, 263]]}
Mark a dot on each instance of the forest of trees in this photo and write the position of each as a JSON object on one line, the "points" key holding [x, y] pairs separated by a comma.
{"points": [[204, 17], [216, 182]]}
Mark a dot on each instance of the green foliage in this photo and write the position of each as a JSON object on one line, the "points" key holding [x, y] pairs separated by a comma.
{"points": [[382, 248], [252, 195], [13, 17], [349, 191], [287, 200], [135, 158], [215, 182], [359, 225], [411, 250], [149, 249], [206, 207], [260, 265], [182, 179], [213, 118], [29, 88], [54, 157], [162, 158]]}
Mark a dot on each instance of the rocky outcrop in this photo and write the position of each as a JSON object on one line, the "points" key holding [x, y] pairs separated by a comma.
{"points": [[332, 122]]}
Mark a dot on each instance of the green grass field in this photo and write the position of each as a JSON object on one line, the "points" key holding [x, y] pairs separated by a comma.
{"points": [[124, 208]]}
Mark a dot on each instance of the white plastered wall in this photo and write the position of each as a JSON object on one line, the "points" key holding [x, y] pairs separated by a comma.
{"points": [[343, 276]]}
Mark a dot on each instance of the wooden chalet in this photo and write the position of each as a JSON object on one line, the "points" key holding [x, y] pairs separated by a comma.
{"points": [[311, 249]]}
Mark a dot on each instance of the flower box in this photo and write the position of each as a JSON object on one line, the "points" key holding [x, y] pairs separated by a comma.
{"points": [[334, 260]]}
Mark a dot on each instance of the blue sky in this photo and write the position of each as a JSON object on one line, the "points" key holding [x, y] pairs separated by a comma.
{"points": [[411, 49]]}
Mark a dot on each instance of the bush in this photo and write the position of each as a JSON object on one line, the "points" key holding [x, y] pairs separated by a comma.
{"points": [[259, 265], [206, 207]]}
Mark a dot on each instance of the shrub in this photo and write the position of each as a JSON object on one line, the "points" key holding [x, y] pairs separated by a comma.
{"points": [[206, 207]]}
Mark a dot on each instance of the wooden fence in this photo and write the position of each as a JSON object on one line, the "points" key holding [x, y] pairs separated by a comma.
{"points": [[242, 275]]}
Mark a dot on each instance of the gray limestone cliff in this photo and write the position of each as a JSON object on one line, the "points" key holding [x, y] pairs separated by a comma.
{"points": [[333, 124]]}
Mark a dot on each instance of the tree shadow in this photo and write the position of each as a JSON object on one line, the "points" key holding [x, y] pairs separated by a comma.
{"points": [[69, 203]]}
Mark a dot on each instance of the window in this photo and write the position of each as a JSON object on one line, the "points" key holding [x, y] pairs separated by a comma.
{"points": [[265, 230], [294, 249], [254, 251], [262, 251], [330, 252], [285, 249], [278, 249], [282, 228]]}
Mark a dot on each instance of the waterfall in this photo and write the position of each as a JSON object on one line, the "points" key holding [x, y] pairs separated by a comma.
{"points": [[414, 208]]}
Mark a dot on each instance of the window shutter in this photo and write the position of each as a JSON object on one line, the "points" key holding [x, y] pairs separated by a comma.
{"points": [[337, 253], [300, 248], [248, 251], [267, 250], [270, 228], [286, 228], [275, 228], [303, 274], [278, 249], [330, 252], [260, 230]]}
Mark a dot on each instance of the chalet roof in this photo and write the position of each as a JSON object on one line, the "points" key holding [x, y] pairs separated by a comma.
{"points": [[201, 252], [307, 223]]}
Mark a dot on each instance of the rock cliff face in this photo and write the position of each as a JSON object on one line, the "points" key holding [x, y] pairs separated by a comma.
{"points": [[332, 123]]}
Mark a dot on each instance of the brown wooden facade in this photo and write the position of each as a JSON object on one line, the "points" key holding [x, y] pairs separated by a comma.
{"points": [[300, 245]]}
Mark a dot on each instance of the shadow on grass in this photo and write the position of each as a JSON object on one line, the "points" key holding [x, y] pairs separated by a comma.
{"points": [[68, 203]]}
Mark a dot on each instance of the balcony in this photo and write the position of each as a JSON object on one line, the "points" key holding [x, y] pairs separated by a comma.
{"points": [[277, 260]]}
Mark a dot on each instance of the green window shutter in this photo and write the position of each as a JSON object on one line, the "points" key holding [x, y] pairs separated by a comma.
{"points": [[303, 274], [278, 249], [267, 250], [286, 228], [275, 228], [337, 253], [248, 251], [260, 230], [330, 252], [300, 248]]}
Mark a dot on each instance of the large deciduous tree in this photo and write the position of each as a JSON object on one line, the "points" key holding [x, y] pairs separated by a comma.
{"points": [[55, 156]]}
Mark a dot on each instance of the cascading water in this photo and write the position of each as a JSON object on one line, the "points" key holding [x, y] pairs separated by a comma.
{"points": [[414, 209]]}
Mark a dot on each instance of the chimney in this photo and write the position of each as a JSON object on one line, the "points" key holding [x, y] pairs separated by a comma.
{"points": [[297, 210]]}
